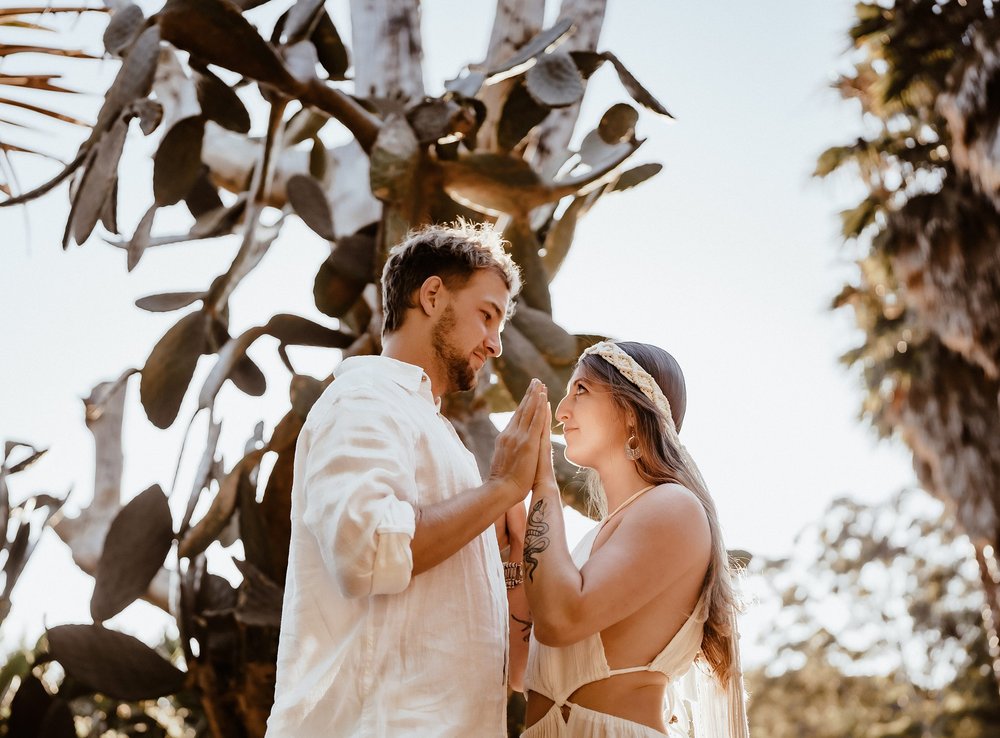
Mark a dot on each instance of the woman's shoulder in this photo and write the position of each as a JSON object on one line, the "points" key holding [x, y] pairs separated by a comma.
{"points": [[673, 507], [673, 497]]}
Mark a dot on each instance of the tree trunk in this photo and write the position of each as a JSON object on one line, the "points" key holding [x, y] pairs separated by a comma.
{"points": [[934, 260], [989, 574], [946, 416], [516, 22], [387, 49], [554, 133]]}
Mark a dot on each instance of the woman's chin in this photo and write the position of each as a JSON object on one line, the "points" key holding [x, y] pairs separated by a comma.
{"points": [[572, 458]]}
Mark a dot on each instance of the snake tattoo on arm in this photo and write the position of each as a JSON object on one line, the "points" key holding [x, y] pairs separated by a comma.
{"points": [[535, 538]]}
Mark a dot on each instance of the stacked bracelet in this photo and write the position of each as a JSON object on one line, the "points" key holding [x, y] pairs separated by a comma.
{"points": [[513, 573]]}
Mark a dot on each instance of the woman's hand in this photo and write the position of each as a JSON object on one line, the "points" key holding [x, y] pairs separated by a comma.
{"points": [[545, 475]]}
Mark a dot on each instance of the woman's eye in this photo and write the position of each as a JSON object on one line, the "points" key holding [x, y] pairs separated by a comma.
{"points": [[580, 389]]}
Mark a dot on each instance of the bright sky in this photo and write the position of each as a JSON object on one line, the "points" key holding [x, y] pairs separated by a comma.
{"points": [[728, 258]]}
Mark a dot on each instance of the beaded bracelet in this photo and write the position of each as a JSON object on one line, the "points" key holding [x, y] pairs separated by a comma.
{"points": [[513, 573]]}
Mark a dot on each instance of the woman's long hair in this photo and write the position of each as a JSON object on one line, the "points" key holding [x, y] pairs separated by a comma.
{"points": [[664, 460]]}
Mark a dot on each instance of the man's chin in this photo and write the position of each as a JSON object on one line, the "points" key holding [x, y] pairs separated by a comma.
{"points": [[464, 381]]}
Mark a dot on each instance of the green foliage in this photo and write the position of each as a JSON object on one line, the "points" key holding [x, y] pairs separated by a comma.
{"points": [[878, 632], [819, 701]]}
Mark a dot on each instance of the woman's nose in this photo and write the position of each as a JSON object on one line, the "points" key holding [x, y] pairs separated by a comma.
{"points": [[561, 411]]}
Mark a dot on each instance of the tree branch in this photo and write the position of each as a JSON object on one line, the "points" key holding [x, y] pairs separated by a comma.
{"points": [[355, 118], [85, 533]]}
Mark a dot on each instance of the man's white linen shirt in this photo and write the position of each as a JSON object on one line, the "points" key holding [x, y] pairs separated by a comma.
{"points": [[367, 650]]}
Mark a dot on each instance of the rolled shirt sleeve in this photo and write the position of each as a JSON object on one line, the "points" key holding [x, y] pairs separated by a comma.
{"points": [[360, 492]]}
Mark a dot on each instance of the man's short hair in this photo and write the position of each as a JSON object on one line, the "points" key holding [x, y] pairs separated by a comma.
{"points": [[453, 252]]}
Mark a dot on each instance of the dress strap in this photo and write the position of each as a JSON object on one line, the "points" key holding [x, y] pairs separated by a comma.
{"points": [[625, 504], [629, 670]]}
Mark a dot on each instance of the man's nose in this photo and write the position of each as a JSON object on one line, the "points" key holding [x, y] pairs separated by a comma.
{"points": [[493, 344]]}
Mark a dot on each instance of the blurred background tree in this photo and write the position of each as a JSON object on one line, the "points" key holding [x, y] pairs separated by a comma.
{"points": [[262, 113], [876, 629], [927, 295]]}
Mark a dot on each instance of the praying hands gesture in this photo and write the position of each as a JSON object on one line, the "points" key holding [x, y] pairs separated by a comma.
{"points": [[515, 451], [514, 469]]}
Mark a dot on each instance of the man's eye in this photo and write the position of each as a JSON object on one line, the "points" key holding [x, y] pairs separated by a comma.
{"points": [[487, 316]]}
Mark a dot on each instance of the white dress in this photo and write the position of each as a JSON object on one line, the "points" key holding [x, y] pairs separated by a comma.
{"points": [[556, 673]]}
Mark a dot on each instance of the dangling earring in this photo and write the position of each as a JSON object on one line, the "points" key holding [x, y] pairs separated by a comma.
{"points": [[632, 450]]}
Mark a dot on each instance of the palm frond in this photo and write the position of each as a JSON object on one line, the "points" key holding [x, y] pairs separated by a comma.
{"points": [[16, 13], [34, 86]]}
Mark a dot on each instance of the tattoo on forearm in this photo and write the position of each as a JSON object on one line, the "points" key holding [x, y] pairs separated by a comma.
{"points": [[535, 538], [525, 626]]}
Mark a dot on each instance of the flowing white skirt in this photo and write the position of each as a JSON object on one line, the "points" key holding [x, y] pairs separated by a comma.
{"points": [[584, 723]]}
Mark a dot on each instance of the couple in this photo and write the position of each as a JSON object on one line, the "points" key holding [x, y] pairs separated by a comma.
{"points": [[407, 571]]}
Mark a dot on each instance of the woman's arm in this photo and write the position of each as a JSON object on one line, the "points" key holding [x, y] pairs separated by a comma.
{"points": [[549, 571], [550, 576]]}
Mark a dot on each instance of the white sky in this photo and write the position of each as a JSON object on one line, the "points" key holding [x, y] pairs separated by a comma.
{"points": [[728, 258]]}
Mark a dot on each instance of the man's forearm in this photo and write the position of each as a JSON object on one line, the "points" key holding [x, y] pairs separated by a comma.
{"points": [[444, 527], [520, 632]]}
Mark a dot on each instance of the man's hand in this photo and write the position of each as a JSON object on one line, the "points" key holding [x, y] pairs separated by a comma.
{"points": [[444, 527], [517, 524], [515, 453]]}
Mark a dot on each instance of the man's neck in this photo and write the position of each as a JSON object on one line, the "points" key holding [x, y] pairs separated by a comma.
{"points": [[403, 348]]}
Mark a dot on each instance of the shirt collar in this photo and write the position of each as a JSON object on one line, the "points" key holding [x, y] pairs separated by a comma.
{"points": [[410, 377]]}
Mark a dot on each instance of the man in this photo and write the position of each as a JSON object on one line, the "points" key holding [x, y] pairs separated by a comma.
{"points": [[395, 619]]}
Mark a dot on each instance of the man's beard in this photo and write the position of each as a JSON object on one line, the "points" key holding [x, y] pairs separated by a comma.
{"points": [[457, 368]]}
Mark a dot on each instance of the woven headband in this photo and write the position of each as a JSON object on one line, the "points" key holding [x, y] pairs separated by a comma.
{"points": [[634, 373]]}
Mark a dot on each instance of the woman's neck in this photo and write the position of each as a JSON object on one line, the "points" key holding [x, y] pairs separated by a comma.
{"points": [[620, 480]]}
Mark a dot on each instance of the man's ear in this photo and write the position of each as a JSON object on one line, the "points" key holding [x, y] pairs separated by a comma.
{"points": [[431, 295]]}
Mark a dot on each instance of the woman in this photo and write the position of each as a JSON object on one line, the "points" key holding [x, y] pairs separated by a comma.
{"points": [[646, 593]]}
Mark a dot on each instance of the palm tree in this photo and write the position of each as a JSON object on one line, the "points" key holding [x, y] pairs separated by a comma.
{"points": [[14, 104], [927, 295]]}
